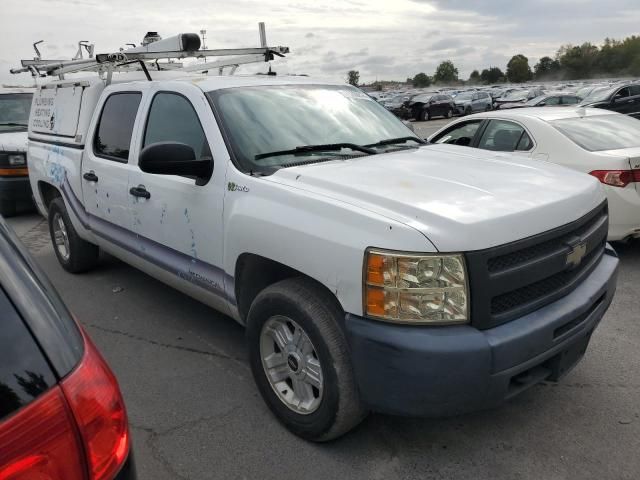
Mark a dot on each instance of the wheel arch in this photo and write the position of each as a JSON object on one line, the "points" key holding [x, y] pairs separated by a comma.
{"points": [[48, 193], [254, 273]]}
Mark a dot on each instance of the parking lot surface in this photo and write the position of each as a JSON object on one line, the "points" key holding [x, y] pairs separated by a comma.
{"points": [[196, 414]]}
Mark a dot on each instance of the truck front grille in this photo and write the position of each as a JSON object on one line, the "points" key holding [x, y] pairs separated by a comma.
{"points": [[512, 280]]}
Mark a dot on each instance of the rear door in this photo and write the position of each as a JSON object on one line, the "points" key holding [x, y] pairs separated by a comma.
{"points": [[107, 163], [506, 136]]}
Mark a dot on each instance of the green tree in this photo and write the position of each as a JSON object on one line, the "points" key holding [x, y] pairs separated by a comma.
{"points": [[446, 73], [421, 80], [353, 77], [474, 77], [518, 69], [578, 61], [492, 75], [547, 68]]}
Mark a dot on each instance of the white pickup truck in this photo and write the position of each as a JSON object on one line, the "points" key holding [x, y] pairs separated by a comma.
{"points": [[373, 272], [15, 190]]}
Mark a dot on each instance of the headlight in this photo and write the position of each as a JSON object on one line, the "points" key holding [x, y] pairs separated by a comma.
{"points": [[416, 289], [17, 159]]}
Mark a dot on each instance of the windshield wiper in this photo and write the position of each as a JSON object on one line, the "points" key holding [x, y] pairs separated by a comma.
{"points": [[13, 124], [393, 141], [329, 147]]}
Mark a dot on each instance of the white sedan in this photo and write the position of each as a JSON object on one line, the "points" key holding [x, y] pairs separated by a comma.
{"points": [[602, 143]]}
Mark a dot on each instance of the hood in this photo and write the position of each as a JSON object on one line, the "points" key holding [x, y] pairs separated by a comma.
{"points": [[505, 106], [462, 102], [460, 198], [13, 141]]}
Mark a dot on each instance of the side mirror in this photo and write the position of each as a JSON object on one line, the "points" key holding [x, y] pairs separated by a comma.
{"points": [[542, 104], [173, 158]]}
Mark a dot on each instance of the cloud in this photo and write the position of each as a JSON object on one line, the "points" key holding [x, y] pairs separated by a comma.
{"points": [[446, 44], [380, 38]]}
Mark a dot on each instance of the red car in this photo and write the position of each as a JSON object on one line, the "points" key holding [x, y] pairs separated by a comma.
{"points": [[62, 416]]}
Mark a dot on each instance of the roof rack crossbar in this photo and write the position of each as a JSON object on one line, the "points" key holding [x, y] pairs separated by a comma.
{"points": [[109, 61]]}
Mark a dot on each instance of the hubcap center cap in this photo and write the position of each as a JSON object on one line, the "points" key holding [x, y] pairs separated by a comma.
{"points": [[294, 362]]}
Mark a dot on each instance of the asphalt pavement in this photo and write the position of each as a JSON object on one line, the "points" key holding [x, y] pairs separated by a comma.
{"points": [[196, 414]]}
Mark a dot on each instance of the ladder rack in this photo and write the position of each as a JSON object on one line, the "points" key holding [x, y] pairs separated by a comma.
{"points": [[147, 57]]}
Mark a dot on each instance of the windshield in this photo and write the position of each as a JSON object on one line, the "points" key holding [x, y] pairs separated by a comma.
{"points": [[516, 95], [601, 132], [266, 119], [463, 97], [14, 111], [599, 94]]}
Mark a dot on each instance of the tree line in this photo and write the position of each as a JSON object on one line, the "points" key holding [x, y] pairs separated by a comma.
{"points": [[614, 58]]}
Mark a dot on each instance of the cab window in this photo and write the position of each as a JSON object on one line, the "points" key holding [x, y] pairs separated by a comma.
{"points": [[504, 136], [460, 134], [115, 127], [552, 101], [172, 118]]}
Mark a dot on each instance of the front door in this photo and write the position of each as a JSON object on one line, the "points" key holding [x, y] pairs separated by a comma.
{"points": [[107, 162], [177, 222]]}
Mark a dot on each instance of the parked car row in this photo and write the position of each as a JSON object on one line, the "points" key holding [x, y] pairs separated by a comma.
{"points": [[622, 96]]}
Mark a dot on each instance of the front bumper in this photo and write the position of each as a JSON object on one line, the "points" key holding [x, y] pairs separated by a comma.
{"points": [[442, 371], [15, 188]]}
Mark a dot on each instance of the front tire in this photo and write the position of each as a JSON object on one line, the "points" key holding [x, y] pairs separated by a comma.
{"points": [[468, 111], [74, 254], [300, 360], [426, 115], [449, 113]]}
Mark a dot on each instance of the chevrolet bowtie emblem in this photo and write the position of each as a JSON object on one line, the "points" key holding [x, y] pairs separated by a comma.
{"points": [[577, 253]]}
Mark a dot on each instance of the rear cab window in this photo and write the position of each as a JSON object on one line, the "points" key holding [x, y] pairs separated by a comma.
{"points": [[115, 126]]}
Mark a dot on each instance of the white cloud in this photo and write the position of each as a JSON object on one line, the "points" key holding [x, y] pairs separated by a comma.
{"points": [[328, 37]]}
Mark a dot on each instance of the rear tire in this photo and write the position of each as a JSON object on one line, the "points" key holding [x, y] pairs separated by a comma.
{"points": [[297, 345], [7, 208], [74, 254]]}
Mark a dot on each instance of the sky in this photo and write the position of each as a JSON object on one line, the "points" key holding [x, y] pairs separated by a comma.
{"points": [[382, 39]]}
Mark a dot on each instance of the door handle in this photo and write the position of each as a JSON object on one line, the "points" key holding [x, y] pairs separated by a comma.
{"points": [[90, 176], [140, 192]]}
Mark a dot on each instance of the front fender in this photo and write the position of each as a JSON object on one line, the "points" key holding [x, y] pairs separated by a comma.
{"points": [[321, 237]]}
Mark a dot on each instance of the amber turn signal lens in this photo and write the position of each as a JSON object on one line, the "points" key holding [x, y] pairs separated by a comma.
{"points": [[375, 269], [14, 172], [375, 301]]}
